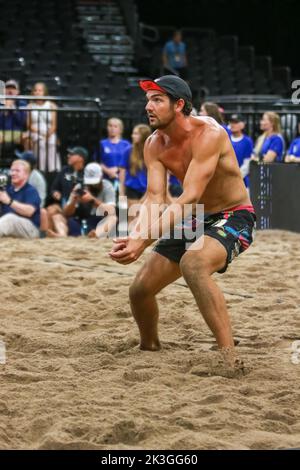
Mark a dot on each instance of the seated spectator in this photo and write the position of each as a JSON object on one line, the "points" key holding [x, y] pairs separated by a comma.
{"points": [[242, 144], [270, 145], [293, 153], [20, 205], [61, 188], [13, 120], [174, 56], [42, 125], [133, 173], [36, 178], [111, 150], [82, 209]]}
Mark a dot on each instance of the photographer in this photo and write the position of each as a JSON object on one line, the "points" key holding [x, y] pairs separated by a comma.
{"points": [[84, 204], [20, 205], [61, 188]]}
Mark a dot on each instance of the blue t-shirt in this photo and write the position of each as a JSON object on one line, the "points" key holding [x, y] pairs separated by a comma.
{"points": [[274, 143], [138, 182], [27, 195], [295, 148], [243, 148], [174, 181], [13, 119], [175, 53], [111, 153]]}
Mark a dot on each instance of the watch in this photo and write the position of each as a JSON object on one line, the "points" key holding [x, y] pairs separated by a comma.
{"points": [[10, 202]]}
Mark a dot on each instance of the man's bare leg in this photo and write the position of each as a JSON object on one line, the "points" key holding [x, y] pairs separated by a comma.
{"points": [[60, 225], [197, 268], [155, 274]]}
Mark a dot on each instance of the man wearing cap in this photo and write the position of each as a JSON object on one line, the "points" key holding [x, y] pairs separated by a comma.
{"points": [[197, 150], [12, 120], [242, 144], [91, 204], [20, 205], [61, 188]]}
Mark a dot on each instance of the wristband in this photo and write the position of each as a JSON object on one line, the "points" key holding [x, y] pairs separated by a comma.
{"points": [[10, 202]]}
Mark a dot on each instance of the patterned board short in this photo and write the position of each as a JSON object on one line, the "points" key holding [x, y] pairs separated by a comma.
{"points": [[233, 228]]}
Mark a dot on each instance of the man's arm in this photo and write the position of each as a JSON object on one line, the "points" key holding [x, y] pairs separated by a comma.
{"points": [[20, 208], [205, 157], [156, 187]]}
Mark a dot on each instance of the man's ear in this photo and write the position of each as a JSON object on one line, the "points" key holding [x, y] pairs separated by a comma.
{"points": [[180, 105]]}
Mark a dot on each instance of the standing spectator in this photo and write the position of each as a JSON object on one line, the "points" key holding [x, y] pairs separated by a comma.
{"points": [[61, 188], [270, 145], [133, 173], [20, 205], [174, 56], [42, 125], [242, 144], [36, 178], [81, 209], [293, 154], [111, 150], [213, 110], [13, 120]]}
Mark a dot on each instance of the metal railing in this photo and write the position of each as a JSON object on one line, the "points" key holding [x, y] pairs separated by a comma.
{"points": [[47, 131]]}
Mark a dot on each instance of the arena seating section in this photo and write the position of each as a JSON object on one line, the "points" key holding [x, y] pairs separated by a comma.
{"points": [[83, 48]]}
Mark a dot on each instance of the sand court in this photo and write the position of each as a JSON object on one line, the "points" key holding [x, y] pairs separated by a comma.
{"points": [[75, 378]]}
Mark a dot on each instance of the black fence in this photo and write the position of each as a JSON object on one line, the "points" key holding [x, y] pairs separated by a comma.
{"points": [[47, 126]]}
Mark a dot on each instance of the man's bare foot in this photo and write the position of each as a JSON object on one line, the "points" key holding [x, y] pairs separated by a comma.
{"points": [[52, 234], [233, 365], [153, 347]]}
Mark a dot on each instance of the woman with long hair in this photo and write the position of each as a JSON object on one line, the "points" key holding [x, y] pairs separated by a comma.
{"points": [[270, 144], [42, 125], [133, 173]]}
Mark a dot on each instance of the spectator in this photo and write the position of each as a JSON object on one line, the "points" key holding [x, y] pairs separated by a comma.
{"points": [[242, 144], [13, 120], [133, 173], [42, 125], [20, 205], [270, 145], [81, 210], [293, 154], [36, 178], [174, 56], [213, 110], [111, 150], [62, 186]]}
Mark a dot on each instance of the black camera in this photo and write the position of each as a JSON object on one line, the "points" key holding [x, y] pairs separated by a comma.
{"points": [[79, 190], [77, 183], [3, 181]]}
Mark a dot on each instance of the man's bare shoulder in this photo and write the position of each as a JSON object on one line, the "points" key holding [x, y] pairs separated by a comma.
{"points": [[154, 143], [207, 128]]}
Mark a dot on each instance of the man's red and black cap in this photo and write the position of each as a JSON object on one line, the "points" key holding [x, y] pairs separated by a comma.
{"points": [[170, 84]]}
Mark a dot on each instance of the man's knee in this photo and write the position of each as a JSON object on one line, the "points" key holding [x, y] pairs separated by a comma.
{"points": [[193, 262], [54, 209], [140, 289]]}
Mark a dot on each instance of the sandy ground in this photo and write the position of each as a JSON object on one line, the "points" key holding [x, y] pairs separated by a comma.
{"points": [[75, 379]]}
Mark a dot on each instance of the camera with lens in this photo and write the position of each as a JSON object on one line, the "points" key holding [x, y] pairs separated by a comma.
{"points": [[77, 183], [3, 181]]}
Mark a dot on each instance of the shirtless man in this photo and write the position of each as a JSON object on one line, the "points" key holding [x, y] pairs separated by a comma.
{"points": [[199, 153]]}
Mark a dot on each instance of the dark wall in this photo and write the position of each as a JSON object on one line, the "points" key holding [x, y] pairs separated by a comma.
{"points": [[272, 26]]}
